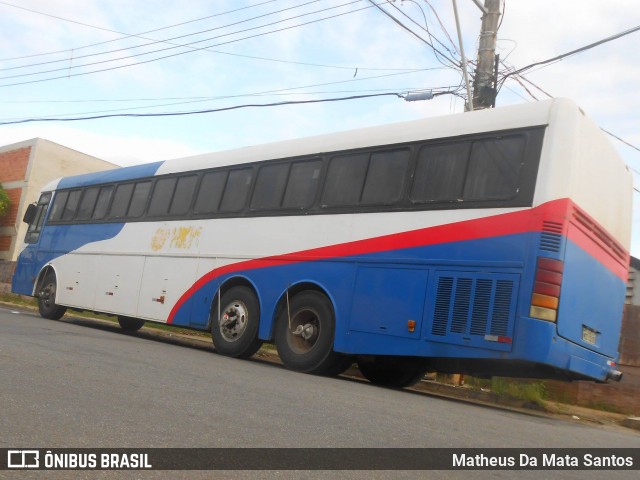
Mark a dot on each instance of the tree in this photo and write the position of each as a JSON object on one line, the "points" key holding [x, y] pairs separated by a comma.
{"points": [[5, 203]]}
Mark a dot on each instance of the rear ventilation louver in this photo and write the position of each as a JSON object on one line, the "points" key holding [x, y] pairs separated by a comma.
{"points": [[471, 308], [551, 237]]}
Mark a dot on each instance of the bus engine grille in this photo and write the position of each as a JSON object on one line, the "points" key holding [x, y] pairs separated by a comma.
{"points": [[474, 308]]}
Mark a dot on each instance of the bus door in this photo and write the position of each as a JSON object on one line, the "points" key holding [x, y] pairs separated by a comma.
{"points": [[25, 274]]}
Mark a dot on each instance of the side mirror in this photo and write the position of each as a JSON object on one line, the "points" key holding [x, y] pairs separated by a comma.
{"points": [[30, 214]]}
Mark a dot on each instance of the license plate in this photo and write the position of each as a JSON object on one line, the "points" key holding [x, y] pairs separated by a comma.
{"points": [[589, 335]]}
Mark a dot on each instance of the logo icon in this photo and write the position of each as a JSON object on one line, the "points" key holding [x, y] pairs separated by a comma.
{"points": [[23, 459]]}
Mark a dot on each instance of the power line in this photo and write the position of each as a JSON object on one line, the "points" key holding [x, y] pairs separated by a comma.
{"points": [[139, 35], [182, 53], [125, 35], [519, 76], [444, 30], [621, 140], [197, 112], [573, 52], [266, 92], [175, 45], [425, 28], [404, 27]]}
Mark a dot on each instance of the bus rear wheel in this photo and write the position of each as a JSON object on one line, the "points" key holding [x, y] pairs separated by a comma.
{"points": [[130, 324], [304, 336], [394, 372], [235, 333], [47, 299]]}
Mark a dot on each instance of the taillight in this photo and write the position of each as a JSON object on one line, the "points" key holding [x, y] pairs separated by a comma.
{"points": [[546, 289]]}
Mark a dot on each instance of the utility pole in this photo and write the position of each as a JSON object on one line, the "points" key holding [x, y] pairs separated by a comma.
{"points": [[484, 83]]}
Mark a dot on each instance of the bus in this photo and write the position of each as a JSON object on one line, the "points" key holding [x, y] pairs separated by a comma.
{"points": [[489, 243]]}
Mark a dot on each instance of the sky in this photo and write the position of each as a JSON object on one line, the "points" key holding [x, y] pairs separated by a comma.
{"points": [[66, 59]]}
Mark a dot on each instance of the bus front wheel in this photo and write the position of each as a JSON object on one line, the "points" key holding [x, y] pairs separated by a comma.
{"points": [[234, 329], [47, 299], [304, 336], [130, 324], [394, 372]]}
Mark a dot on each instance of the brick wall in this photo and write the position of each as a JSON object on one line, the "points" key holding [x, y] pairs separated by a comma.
{"points": [[630, 338], [5, 243], [623, 396], [14, 196], [13, 164]]}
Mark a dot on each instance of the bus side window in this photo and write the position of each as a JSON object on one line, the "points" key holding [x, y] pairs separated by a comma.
{"points": [[35, 227], [345, 179], [71, 205], [87, 203], [210, 192], [303, 184], [385, 177], [104, 197], [58, 206], [236, 190], [172, 196], [139, 199], [270, 183], [494, 168], [161, 197], [183, 195], [440, 173], [121, 200]]}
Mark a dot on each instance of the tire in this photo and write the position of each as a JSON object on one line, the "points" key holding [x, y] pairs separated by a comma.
{"points": [[237, 335], [47, 299], [394, 372], [130, 324], [311, 349]]}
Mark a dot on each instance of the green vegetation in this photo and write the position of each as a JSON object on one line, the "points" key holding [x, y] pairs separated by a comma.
{"points": [[530, 393], [18, 300], [5, 203], [605, 407]]}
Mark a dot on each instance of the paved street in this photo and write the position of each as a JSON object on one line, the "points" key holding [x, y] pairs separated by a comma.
{"points": [[81, 383]]}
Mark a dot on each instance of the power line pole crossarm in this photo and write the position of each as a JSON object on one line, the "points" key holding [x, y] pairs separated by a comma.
{"points": [[484, 84]]}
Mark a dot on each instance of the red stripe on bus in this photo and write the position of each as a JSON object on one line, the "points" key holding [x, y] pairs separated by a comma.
{"points": [[529, 220]]}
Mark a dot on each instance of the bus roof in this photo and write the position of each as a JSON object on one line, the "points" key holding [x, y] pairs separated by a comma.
{"points": [[516, 116]]}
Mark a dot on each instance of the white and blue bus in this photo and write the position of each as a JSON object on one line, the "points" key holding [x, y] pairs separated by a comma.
{"points": [[490, 243]]}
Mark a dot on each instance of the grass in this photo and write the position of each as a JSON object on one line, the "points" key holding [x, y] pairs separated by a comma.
{"points": [[530, 393], [18, 299], [25, 301]]}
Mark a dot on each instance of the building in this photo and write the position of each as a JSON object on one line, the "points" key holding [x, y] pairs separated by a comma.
{"points": [[25, 168]]}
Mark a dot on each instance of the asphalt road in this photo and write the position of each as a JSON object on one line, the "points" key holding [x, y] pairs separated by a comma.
{"points": [[80, 383]]}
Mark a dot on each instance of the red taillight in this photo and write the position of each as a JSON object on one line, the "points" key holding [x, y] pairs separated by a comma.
{"points": [[546, 289]]}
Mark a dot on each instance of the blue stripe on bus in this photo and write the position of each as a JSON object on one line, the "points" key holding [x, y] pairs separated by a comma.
{"points": [[109, 176], [504, 257], [58, 241]]}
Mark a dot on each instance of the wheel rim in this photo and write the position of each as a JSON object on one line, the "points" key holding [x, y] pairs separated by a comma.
{"points": [[48, 295], [233, 321], [304, 331]]}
